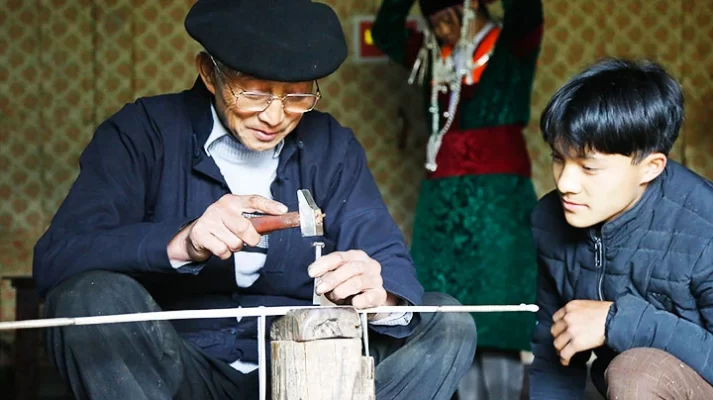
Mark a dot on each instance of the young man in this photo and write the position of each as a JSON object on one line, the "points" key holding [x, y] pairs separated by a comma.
{"points": [[624, 244], [156, 221]]}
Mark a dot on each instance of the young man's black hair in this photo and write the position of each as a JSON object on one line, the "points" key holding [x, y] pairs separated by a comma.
{"points": [[615, 107]]}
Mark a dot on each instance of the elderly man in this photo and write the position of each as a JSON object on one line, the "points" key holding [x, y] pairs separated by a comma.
{"points": [[155, 221]]}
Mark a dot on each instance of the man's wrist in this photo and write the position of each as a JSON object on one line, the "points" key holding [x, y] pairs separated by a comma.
{"points": [[395, 318], [176, 248], [391, 300]]}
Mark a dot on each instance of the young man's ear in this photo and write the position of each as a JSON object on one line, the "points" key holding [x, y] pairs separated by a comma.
{"points": [[652, 166]]}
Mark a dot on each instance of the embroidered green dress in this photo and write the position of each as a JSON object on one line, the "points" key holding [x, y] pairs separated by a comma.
{"points": [[472, 235]]}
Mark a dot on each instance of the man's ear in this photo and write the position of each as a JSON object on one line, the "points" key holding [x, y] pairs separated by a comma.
{"points": [[206, 70], [652, 166]]}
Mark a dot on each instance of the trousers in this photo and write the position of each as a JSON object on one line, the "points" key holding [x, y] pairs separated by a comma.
{"points": [[647, 373]]}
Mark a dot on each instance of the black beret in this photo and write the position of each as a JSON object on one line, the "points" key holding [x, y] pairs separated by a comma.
{"points": [[429, 7], [277, 40]]}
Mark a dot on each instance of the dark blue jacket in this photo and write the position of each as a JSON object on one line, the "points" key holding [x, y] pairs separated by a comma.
{"points": [[655, 262], [145, 174]]}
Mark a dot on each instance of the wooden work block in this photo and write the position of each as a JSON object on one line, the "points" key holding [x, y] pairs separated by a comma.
{"points": [[303, 325], [317, 355]]}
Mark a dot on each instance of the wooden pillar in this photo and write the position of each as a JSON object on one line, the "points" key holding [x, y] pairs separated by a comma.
{"points": [[317, 354]]}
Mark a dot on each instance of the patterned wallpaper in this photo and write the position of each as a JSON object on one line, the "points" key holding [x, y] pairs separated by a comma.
{"points": [[65, 65]]}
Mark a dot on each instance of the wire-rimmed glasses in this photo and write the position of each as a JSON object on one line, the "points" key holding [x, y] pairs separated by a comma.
{"points": [[259, 101]]}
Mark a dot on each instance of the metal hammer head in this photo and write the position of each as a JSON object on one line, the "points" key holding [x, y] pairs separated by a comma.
{"points": [[311, 217]]}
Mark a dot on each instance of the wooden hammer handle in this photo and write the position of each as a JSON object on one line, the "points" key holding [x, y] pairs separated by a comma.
{"points": [[265, 224]]}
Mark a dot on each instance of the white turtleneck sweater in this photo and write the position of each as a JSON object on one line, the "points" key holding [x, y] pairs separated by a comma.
{"points": [[249, 172], [246, 172]]}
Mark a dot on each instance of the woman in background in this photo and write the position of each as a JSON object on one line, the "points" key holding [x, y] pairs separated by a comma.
{"points": [[472, 235]]}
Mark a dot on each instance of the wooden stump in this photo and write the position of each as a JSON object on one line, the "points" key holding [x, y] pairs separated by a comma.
{"points": [[317, 355]]}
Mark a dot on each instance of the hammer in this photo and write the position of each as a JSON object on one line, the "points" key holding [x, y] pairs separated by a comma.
{"points": [[309, 218]]}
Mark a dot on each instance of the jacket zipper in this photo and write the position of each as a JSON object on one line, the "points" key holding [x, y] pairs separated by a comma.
{"points": [[599, 264]]}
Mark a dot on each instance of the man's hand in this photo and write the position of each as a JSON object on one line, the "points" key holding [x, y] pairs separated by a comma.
{"points": [[579, 326], [222, 229], [351, 277]]}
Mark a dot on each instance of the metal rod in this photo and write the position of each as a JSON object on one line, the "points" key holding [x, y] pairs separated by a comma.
{"points": [[365, 333], [318, 250], [242, 313], [317, 299]]}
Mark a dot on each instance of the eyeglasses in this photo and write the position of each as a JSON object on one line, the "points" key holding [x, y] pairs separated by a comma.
{"points": [[260, 101]]}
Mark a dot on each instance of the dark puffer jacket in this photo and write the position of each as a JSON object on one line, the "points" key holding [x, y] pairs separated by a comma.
{"points": [[655, 262]]}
